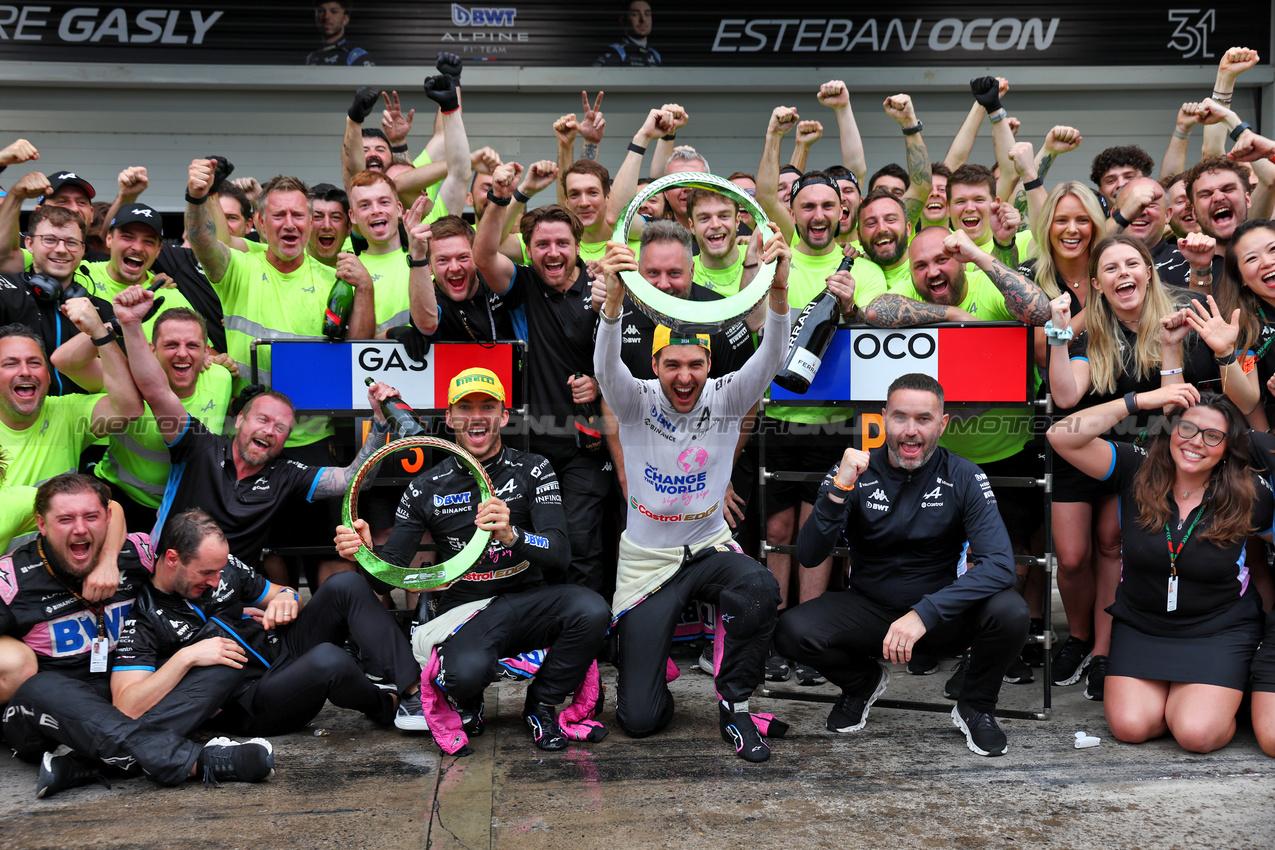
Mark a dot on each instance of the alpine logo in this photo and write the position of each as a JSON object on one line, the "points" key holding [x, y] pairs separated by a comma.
{"points": [[936, 493]]}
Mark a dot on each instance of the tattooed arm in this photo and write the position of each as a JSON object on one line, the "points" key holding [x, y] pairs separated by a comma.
{"points": [[334, 480], [891, 310], [1025, 301], [201, 227]]}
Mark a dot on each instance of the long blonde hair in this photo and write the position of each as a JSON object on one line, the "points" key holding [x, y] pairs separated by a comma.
{"points": [[1107, 349], [1046, 268]]}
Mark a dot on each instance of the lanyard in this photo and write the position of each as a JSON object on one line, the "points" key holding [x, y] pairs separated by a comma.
{"points": [[97, 611], [1266, 320], [1174, 552]]}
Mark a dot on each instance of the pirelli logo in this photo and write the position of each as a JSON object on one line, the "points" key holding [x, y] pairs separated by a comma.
{"points": [[475, 379]]}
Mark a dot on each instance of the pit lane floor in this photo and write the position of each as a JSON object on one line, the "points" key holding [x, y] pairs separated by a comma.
{"points": [[906, 780]]}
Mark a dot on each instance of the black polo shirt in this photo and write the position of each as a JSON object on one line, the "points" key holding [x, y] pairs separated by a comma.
{"points": [[560, 331], [484, 318], [1169, 263], [730, 348], [203, 476]]}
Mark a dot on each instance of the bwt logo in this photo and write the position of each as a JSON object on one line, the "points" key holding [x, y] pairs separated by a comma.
{"points": [[477, 16], [451, 499]]}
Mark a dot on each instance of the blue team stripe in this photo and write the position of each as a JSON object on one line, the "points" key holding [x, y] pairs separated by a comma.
{"points": [[1085, 359], [170, 493], [235, 636], [185, 428], [1112, 468], [127, 669], [269, 587], [309, 497]]}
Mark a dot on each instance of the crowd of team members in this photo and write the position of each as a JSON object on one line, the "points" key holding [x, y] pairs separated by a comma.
{"points": [[128, 359]]}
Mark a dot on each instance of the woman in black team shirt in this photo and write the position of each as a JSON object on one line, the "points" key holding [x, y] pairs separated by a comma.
{"points": [[1247, 285], [1139, 335], [1186, 621]]}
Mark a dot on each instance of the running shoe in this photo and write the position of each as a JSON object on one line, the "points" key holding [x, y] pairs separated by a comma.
{"points": [[410, 716], [1096, 680], [1070, 661], [850, 713], [739, 730], [956, 682], [777, 668], [705, 662], [809, 676], [1018, 672], [225, 760], [63, 769], [542, 720], [982, 735]]}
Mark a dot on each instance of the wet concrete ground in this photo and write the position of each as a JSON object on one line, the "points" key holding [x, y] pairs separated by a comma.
{"points": [[906, 781]]}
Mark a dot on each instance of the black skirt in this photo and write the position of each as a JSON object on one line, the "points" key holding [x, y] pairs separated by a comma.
{"points": [[1220, 659]]}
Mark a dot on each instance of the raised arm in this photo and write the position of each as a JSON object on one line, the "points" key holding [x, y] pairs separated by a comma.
{"points": [[900, 108], [352, 161], [1263, 198], [421, 292], [565, 130], [834, 95], [1025, 300], [1078, 438], [624, 186], [396, 126], [333, 481], [891, 310], [614, 377], [782, 119], [1234, 61], [1025, 164], [442, 90], [131, 306], [31, 185], [1068, 379], [122, 403], [592, 127], [201, 227], [958, 153], [1174, 161], [664, 147], [808, 132], [497, 269]]}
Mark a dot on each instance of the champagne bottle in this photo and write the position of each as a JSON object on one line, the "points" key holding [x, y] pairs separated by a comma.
{"points": [[336, 318], [400, 415], [588, 424], [811, 335]]}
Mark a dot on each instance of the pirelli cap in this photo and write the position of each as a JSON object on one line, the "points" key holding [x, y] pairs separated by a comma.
{"points": [[665, 336], [138, 214], [475, 380]]}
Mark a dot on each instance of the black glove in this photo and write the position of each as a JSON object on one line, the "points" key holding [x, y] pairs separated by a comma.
{"points": [[450, 64], [247, 394], [364, 102], [414, 342], [224, 169], [442, 90], [986, 91]]}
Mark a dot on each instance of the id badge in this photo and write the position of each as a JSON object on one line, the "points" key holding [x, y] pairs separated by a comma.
{"points": [[97, 658], [1173, 594]]}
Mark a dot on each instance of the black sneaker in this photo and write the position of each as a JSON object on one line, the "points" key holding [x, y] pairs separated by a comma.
{"points": [[471, 716], [739, 730], [705, 662], [777, 668], [63, 769], [809, 676], [410, 716], [956, 682], [232, 761], [542, 720], [1018, 673], [982, 735], [922, 664], [1096, 681], [850, 713], [1070, 661]]}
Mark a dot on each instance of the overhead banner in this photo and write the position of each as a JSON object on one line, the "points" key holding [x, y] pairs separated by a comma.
{"points": [[632, 34], [974, 364]]}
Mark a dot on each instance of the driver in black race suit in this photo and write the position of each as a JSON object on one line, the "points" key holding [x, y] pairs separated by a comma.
{"points": [[679, 433], [501, 607], [932, 570]]}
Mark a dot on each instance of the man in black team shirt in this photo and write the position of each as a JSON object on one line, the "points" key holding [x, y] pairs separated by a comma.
{"points": [[555, 292], [67, 702], [449, 302], [1141, 206], [933, 570], [293, 660], [632, 50], [501, 607], [332, 17]]}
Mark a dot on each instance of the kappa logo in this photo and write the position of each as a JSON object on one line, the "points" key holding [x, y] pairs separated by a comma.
{"points": [[631, 329], [880, 495]]}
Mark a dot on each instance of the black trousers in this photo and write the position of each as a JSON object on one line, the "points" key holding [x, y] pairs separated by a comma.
{"points": [[51, 709], [584, 482], [313, 667], [747, 598], [570, 620], [840, 635]]}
